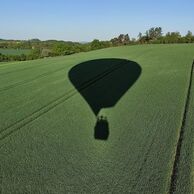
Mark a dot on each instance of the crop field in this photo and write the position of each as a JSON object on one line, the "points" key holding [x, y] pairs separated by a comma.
{"points": [[14, 51], [116, 120]]}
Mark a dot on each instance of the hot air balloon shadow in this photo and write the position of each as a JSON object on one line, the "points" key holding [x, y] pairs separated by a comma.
{"points": [[102, 83]]}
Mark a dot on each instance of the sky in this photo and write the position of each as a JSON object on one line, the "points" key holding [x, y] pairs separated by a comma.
{"points": [[85, 20]]}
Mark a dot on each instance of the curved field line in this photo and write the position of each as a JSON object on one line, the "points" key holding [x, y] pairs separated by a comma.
{"points": [[143, 162], [30, 80], [174, 173], [145, 159], [23, 69], [46, 108]]}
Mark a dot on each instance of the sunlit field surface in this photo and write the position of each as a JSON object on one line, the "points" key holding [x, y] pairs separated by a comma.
{"points": [[106, 121]]}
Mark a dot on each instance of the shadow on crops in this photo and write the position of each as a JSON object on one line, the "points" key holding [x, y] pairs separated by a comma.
{"points": [[101, 129], [102, 83]]}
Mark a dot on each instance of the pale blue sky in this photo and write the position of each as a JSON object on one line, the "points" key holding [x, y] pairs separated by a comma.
{"points": [[84, 20]]}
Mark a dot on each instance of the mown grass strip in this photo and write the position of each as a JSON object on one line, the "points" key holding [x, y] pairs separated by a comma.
{"points": [[33, 116], [181, 137]]}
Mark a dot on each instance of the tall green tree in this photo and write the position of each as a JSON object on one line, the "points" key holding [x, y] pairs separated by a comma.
{"points": [[189, 37]]}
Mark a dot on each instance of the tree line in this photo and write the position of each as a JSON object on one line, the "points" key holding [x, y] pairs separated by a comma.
{"points": [[50, 48], [155, 36]]}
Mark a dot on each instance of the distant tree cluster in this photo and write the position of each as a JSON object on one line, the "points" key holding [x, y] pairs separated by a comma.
{"points": [[155, 36], [122, 39], [97, 44], [22, 57], [41, 49], [50, 48]]}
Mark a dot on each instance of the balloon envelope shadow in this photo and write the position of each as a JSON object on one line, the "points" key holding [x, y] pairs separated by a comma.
{"points": [[102, 82]]}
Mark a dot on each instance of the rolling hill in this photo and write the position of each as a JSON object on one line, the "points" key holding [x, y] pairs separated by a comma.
{"points": [[116, 120]]}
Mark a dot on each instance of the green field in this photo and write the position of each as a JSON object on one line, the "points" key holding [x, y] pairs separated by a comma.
{"points": [[51, 137], [14, 51]]}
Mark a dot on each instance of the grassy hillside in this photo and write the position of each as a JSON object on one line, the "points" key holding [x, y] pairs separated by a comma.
{"points": [[52, 142], [14, 51]]}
